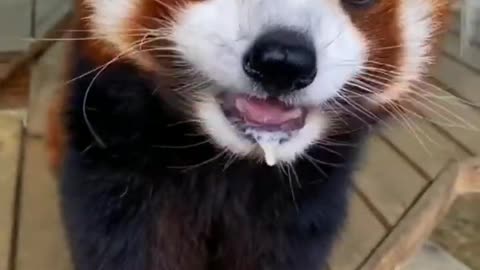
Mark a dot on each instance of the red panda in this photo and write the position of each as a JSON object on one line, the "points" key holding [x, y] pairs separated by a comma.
{"points": [[222, 134]]}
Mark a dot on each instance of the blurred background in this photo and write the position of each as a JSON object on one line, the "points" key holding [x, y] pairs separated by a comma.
{"points": [[32, 48]]}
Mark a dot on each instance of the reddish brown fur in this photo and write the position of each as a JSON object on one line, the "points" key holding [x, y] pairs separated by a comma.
{"points": [[380, 26], [56, 133], [150, 15]]}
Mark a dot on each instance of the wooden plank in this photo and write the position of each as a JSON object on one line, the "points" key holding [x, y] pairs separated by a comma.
{"points": [[412, 231], [453, 116], [14, 92], [425, 146], [361, 234], [47, 80], [389, 181], [10, 137], [469, 177], [41, 243], [463, 80], [432, 256], [461, 122], [451, 46], [6, 61], [458, 232]]}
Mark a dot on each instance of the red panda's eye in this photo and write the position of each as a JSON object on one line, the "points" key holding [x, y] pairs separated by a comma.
{"points": [[359, 3]]}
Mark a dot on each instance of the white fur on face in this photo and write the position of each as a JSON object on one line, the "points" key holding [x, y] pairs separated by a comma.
{"points": [[214, 35], [219, 128]]}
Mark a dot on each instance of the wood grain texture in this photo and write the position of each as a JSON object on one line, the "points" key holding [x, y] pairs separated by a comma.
{"points": [[10, 139], [388, 181], [14, 92], [452, 47], [469, 177], [458, 77], [459, 119], [362, 233], [47, 80], [425, 147], [458, 232], [432, 256], [41, 242], [412, 231]]}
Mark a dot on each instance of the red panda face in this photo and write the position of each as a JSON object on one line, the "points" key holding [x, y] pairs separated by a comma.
{"points": [[263, 76]]}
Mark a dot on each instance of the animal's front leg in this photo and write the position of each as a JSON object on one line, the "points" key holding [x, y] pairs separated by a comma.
{"points": [[118, 220], [107, 216]]}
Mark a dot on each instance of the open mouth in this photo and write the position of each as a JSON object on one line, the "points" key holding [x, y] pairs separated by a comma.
{"points": [[267, 122], [269, 115]]}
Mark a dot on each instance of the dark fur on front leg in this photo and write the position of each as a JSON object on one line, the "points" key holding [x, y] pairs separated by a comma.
{"points": [[119, 219], [106, 215]]}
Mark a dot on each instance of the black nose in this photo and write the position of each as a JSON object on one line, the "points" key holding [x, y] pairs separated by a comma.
{"points": [[282, 61]]}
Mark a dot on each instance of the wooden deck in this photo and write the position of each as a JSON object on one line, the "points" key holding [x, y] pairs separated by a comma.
{"points": [[409, 167]]}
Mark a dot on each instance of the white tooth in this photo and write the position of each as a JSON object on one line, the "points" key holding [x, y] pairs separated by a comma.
{"points": [[241, 105], [269, 151], [295, 113]]}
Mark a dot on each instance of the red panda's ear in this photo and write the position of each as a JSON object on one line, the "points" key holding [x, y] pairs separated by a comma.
{"points": [[88, 42], [105, 35]]}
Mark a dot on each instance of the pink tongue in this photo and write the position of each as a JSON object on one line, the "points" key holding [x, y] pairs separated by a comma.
{"points": [[266, 112]]}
